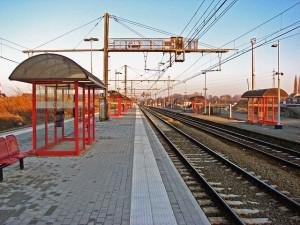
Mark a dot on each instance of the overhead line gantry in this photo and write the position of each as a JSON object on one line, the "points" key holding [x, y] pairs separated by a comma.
{"points": [[176, 45]]}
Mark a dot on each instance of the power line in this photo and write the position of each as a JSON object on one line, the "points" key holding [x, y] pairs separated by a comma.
{"points": [[2, 57], [129, 28], [244, 34], [210, 15], [229, 58], [234, 56], [11, 47], [195, 13], [90, 31], [259, 40], [14, 43], [68, 32], [142, 25]]}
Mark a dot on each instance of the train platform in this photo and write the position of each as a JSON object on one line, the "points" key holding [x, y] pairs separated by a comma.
{"points": [[126, 177], [290, 130]]}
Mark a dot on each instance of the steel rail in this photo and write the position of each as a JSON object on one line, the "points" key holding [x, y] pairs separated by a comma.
{"points": [[289, 202], [233, 216], [197, 124], [278, 147]]}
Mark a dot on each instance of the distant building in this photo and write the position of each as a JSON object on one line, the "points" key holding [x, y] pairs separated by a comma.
{"points": [[294, 98]]}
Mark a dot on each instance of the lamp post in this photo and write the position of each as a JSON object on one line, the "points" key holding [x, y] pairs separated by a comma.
{"points": [[91, 40], [253, 42], [278, 125], [116, 73], [205, 89]]}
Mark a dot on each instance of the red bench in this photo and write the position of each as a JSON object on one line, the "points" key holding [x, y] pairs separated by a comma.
{"points": [[10, 153]]}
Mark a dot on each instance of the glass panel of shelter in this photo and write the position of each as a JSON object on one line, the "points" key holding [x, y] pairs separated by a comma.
{"points": [[58, 128]]}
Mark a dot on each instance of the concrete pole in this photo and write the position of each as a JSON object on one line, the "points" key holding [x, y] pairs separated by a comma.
{"points": [[105, 63], [278, 94], [168, 89], [125, 73], [91, 57], [205, 89], [274, 74], [253, 42]]}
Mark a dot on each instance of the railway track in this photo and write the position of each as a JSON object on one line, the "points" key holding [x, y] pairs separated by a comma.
{"points": [[227, 193], [285, 156]]}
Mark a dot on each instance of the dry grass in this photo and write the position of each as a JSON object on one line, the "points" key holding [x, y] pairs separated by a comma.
{"points": [[15, 111]]}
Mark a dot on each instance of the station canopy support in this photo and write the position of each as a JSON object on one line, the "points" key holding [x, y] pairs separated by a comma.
{"points": [[63, 104]]}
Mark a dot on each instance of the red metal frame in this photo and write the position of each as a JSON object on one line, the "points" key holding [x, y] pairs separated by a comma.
{"points": [[83, 118], [89, 141], [259, 110], [33, 121], [55, 117], [196, 109], [46, 117], [94, 119], [76, 117], [88, 121]]}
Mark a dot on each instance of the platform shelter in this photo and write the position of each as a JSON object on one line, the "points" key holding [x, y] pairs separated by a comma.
{"points": [[63, 104], [118, 104], [197, 104], [262, 105]]}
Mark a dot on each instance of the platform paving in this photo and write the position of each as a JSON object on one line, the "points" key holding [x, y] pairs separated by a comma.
{"points": [[92, 189], [99, 187]]}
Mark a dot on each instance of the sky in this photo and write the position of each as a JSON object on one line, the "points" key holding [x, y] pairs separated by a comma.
{"points": [[33, 22]]}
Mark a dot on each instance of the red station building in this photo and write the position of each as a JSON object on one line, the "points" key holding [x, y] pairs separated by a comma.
{"points": [[118, 104], [197, 104], [262, 105], [63, 104]]}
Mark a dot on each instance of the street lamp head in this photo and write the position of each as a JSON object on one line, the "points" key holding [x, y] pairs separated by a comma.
{"points": [[91, 39], [274, 45]]}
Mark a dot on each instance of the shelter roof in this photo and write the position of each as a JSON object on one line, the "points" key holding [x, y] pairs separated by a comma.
{"points": [[197, 98], [115, 94], [53, 67], [271, 92]]}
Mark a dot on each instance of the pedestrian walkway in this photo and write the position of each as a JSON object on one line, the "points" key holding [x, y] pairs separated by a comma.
{"points": [[126, 177]]}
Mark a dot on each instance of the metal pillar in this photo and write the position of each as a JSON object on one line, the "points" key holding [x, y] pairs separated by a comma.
{"points": [[76, 121], [125, 74], [253, 42], [33, 121], [278, 125], [168, 90], [105, 63], [205, 89]]}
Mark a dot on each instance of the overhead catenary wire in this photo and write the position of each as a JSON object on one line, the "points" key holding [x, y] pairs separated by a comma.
{"points": [[129, 28], [11, 47], [14, 43], [244, 34], [205, 21], [88, 33], [10, 60], [68, 32], [258, 40], [193, 16], [142, 25], [236, 56]]}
